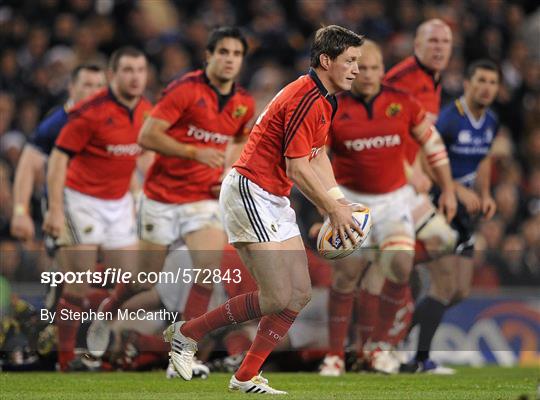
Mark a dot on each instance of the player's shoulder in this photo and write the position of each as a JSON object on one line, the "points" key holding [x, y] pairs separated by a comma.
{"points": [[87, 106], [492, 116], [396, 92], [145, 102], [402, 70], [299, 88], [189, 79], [243, 94], [54, 116]]}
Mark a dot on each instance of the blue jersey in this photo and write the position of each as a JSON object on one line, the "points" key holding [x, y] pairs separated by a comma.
{"points": [[467, 140], [49, 129]]}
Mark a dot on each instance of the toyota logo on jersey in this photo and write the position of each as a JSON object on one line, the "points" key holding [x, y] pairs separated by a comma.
{"points": [[207, 136], [376, 142]]}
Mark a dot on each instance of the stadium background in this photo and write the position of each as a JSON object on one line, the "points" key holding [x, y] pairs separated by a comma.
{"points": [[42, 40]]}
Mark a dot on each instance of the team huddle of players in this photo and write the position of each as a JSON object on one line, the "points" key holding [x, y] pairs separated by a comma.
{"points": [[208, 178]]}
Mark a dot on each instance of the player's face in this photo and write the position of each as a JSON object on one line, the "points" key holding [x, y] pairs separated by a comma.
{"points": [[131, 76], [86, 84], [482, 87], [434, 46], [225, 62], [344, 68], [370, 73]]}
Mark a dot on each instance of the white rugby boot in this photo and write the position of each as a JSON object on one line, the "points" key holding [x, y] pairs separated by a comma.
{"points": [[183, 350], [256, 385], [332, 366]]}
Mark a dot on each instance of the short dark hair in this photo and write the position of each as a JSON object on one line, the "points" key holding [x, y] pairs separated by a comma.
{"points": [[225, 32], [333, 40], [482, 64], [121, 52], [84, 67]]}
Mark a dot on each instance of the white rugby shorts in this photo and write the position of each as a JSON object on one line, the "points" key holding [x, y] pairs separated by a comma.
{"points": [[90, 220], [251, 214], [165, 223], [390, 213]]}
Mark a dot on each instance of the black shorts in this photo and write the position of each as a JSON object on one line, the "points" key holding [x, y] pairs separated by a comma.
{"points": [[464, 224]]}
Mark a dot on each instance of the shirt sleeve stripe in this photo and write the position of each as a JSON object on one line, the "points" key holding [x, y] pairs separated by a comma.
{"points": [[298, 111], [312, 100]]}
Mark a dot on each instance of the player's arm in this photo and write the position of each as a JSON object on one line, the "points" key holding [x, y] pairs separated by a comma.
{"points": [[311, 185], [418, 174], [483, 177], [434, 149], [53, 223], [144, 161], [154, 136], [30, 164]]}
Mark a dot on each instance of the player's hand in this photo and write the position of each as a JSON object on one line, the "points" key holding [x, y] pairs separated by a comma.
{"points": [[448, 204], [22, 227], [212, 157], [489, 207], [342, 222], [469, 199], [420, 181], [54, 222]]}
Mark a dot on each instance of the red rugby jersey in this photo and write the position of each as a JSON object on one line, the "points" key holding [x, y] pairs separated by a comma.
{"points": [[294, 124], [414, 78], [101, 136], [368, 139], [198, 116]]}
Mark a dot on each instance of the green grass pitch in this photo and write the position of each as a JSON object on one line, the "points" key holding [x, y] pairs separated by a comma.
{"points": [[490, 383]]}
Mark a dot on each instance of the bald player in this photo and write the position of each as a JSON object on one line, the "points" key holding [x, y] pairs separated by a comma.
{"points": [[369, 134], [420, 75]]}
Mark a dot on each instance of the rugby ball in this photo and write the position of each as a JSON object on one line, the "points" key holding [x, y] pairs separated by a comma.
{"points": [[330, 249]]}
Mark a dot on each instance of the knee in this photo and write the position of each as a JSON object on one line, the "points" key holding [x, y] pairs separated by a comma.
{"points": [[400, 266], [302, 297], [275, 301], [345, 279]]}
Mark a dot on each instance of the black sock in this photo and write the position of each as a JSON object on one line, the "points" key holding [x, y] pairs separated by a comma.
{"points": [[428, 315]]}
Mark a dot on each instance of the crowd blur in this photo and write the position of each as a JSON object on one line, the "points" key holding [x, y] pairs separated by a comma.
{"points": [[41, 41]]}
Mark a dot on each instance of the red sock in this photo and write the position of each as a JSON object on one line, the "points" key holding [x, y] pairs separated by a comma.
{"points": [[67, 332], [197, 302], [392, 298], [271, 330], [236, 343], [367, 315], [402, 322], [120, 293], [339, 312], [244, 307]]}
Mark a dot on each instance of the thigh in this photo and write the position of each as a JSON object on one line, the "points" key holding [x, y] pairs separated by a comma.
{"points": [[464, 273], [150, 256], [276, 267], [125, 257], [206, 246]]}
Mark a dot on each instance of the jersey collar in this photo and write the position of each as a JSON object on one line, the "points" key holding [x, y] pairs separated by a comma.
{"points": [[324, 92], [476, 123], [368, 105], [222, 98], [428, 71], [130, 111]]}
